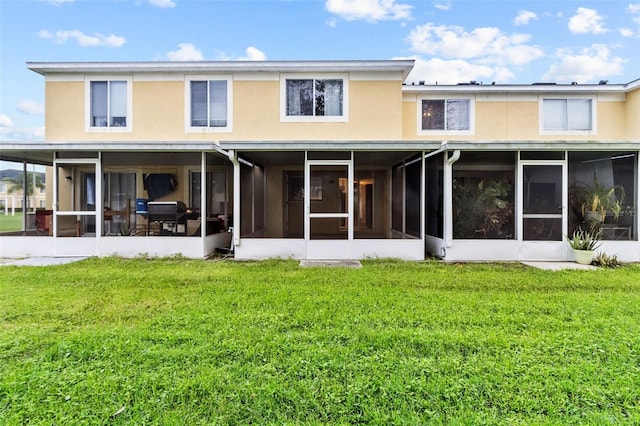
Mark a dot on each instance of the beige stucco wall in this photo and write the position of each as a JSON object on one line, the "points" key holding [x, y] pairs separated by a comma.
{"points": [[158, 111], [512, 119], [158, 114], [377, 110], [64, 111], [632, 114]]}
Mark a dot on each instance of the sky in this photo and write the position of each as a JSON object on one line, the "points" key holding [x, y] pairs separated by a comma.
{"points": [[452, 41]]}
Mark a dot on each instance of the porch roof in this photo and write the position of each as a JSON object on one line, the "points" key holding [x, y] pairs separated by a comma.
{"points": [[549, 145], [43, 152], [318, 145]]}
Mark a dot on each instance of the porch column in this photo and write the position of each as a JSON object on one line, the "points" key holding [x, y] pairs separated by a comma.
{"points": [[448, 197], [25, 186], [233, 157]]}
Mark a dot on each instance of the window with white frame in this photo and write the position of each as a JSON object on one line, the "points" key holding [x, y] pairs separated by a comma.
{"points": [[314, 97], [306, 98], [108, 103], [446, 115], [567, 115], [208, 104]]}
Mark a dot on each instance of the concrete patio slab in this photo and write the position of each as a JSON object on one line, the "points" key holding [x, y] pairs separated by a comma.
{"points": [[40, 261], [330, 264], [559, 266]]}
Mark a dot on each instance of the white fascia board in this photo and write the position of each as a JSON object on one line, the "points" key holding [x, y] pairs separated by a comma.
{"points": [[45, 68], [111, 146], [400, 145], [542, 145], [512, 89]]}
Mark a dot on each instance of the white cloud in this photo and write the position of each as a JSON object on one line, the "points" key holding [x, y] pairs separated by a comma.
{"points": [[31, 107], [626, 32], [589, 64], [524, 17], [162, 3], [5, 121], [586, 21], [253, 54], [440, 71], [488, 45], [369, 10], [443, 6], [634, 10], [82, 39], [21, 133], [185, 52], [332, 22]]}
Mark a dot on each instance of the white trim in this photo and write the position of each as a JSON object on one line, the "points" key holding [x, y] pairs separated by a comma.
{"points": [[187, 103], [284, 118], [551, 96], [403, 66], [472, 116], [87, 104]]}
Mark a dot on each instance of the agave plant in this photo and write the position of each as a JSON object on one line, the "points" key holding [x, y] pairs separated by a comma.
{"points": [[585, 240]]}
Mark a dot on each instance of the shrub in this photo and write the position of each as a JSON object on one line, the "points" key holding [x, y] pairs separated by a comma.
{"points": [[605, 261], [585, 240]]}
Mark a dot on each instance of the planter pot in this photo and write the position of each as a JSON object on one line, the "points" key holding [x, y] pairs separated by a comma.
{"points": [[583, 257], [592, 217]]}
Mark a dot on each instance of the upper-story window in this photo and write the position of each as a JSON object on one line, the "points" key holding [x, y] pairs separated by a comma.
{"points": [[208, 104], [317, 98], [109, 104], [567, 115], [446, 115]]}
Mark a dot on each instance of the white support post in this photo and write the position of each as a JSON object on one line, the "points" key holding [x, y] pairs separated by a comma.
{"points": [[236, 196], [204, 182], [448, 197]]}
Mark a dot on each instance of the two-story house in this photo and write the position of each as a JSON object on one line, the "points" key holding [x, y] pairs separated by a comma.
{"points": [[328, 160]]}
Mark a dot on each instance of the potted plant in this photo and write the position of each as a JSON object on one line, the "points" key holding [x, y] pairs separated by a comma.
{"points": [[597, 201], [584, 243]]}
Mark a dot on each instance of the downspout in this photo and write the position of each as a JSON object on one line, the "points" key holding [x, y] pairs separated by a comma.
{"points": [[235, 236], [448, 197]]}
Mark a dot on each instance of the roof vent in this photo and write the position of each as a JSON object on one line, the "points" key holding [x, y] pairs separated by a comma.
{"points": [[602, 82], [421, 82]]}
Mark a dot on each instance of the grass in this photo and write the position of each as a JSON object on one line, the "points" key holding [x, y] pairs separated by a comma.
{"points": [[177, 341], [10, 222]]}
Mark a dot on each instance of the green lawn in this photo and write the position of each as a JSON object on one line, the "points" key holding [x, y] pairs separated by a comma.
{"points": [[10, 223], [174, 341]]}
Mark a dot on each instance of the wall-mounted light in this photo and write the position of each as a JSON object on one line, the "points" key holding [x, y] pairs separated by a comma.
{"points": [[68, 178]]}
